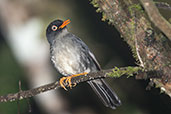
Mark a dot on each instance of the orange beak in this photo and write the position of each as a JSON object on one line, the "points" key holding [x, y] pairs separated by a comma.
{"points": [[65, 23]]}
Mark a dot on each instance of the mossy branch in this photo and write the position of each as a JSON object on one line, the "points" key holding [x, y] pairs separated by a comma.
{"points": [[156, 17], [112, 73], [150, 47]]}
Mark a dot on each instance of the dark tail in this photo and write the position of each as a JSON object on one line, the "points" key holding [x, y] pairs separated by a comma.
{"points": [[105, 93]]}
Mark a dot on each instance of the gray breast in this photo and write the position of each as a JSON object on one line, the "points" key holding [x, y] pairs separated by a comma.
{"points": [[67, 58]]}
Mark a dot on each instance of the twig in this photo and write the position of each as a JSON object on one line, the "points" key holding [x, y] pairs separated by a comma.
{"points": [[156, 17], [18, 103], [116, 72]]}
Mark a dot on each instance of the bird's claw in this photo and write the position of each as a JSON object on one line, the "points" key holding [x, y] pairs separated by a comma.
{"points": [[62, 82], [67, 80]]}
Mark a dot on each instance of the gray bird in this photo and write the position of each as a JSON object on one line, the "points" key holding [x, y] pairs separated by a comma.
{"points": [[70, 55]]}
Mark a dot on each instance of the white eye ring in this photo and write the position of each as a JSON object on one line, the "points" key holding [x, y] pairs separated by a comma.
{"points": [[54, 27]]}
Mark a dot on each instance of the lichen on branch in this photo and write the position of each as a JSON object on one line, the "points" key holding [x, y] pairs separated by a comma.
{"points": [[116, 72], [149, 46]]}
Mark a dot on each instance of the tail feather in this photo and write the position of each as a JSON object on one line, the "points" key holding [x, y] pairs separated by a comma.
{"points": [[105, 93]]}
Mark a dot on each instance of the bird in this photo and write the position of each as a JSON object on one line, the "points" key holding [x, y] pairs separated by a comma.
{"points": [[72, 57]]}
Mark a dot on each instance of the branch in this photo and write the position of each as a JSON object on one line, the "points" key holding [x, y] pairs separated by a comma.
{"points": [[150, 48], [116, 72], [156, 17]]}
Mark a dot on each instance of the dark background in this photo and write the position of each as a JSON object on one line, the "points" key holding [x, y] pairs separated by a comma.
{"points": [[110, 50]]}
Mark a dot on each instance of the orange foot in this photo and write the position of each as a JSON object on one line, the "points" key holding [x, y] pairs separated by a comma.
{"points": [[65, 80]]}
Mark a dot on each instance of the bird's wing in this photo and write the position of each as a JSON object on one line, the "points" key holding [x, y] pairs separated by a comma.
{"points": [[86, 50], [94, 59]]}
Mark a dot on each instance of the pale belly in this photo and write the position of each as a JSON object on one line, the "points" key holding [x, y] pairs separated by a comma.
{"points": [[68, 63]]}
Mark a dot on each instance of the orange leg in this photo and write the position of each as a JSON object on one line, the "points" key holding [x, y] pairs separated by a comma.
{"points": [[68, 80], [62, 81]]}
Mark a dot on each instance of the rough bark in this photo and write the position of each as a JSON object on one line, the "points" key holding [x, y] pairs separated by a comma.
{"points": [[150, 43]]}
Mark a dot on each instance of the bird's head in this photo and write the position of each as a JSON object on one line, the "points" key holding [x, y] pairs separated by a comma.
{"points": [[55, 28]]}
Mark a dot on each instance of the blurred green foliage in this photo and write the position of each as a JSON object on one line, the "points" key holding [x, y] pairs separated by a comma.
{"points": [[10, 74]]}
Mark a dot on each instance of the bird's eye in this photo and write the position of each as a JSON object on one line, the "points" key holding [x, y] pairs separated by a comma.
{"points": [[54, 27]]}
